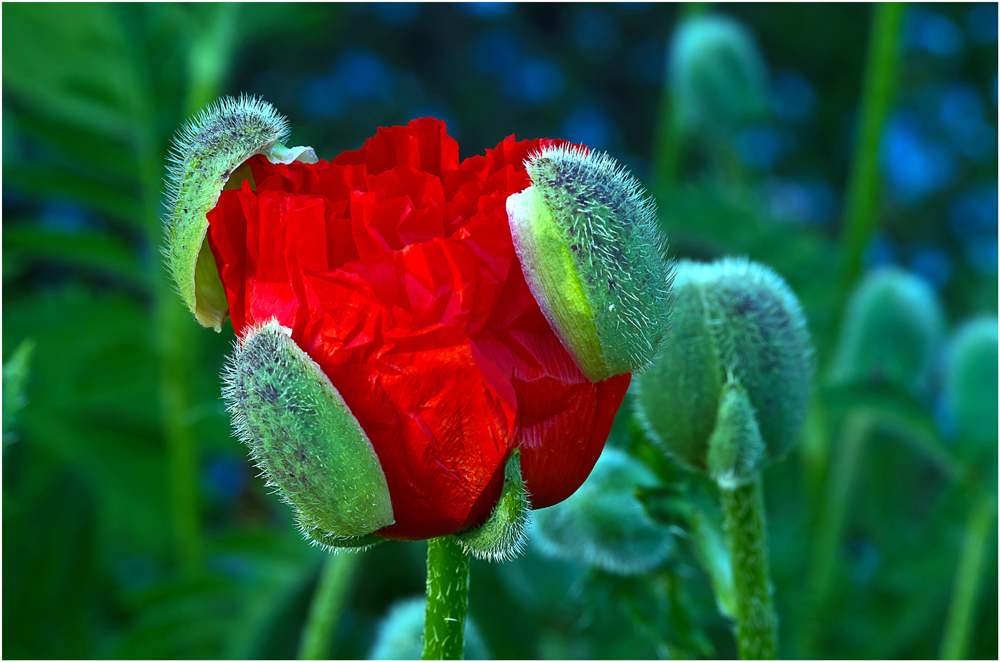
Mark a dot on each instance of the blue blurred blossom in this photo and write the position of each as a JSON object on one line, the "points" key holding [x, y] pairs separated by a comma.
{"points": [[763, 146], [358, 75], [881, 251], [645, 62], [915, 164], [961, 113], [595, 32], [225, 477], [981, 21], [589, 125], [397, 13], [536, 81], [972, 217], [793, 96], [932, 32], [801, 201], [495, 53], [487, 10], [932, 264]]}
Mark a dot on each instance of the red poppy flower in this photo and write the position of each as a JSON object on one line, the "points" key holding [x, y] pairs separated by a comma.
{"points": [[393, 265]]}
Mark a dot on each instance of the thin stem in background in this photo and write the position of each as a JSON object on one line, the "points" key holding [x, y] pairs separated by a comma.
{"points": [[962, 611], [447, 600], [668, 145], [746, 536], [861, 207], [328, 605]]}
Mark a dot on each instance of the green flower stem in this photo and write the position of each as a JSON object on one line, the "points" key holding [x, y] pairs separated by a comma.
{"points": [[962, 612], [447, 600], [746, 533], [669, 142], [328, 605], [861, 206]]}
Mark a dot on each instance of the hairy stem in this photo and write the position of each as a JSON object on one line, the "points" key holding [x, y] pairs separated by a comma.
{"points": [[962, 612], [746, 533], [447, 600], [328, 605]]}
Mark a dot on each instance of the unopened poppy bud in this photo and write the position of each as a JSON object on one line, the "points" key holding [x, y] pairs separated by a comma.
{"points": [[717, 78], [502, 536], [400, 634], [305, 440], [207, 154], [737, 365], [604, 524], [892, 326], [971, 385], [593, 258]]}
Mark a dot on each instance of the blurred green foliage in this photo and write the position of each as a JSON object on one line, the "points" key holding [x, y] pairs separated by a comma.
{"points": [[133, 524]]}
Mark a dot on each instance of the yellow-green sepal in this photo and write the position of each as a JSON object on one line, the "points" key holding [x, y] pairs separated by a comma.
{"points": [[207, 154], [594, 259]]}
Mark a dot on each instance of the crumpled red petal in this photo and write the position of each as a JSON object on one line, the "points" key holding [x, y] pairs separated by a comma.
{"points": [[393, 265]]}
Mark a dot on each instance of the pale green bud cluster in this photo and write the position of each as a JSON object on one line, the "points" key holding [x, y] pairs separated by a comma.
{"points": [[207, 154], [717, 78], [305, 440], [593, 257], [401, 632], [737, 365], [892, 326], [971, 383], [604, 524]]}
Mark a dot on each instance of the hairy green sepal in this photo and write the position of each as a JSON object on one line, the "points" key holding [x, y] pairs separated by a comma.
{"points": [[207, 153], [735, 449], [304, 438], [593, 257], [502, 536]]}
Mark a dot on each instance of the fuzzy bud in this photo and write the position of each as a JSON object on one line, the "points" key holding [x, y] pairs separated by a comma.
{"points": [[971, 385], [305, 440], [717, 78], [737, 366], [604, 524], [892, 326], [593, 257], [206, 158]]}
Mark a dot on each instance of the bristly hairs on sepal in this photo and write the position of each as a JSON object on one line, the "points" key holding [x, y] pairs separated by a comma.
{"points": [[504, 535]]}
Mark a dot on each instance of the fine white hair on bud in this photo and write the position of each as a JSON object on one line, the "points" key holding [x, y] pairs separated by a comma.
{"points": [[205, 158], [305, 440], [502, 536], [594, 258]]}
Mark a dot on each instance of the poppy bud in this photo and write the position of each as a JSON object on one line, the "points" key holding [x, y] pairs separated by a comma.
{"points": [[604, 524], [401, 632], [892, 325], [207, 154], [736, 368], [593, 258], [717, 77], [305, 439], [971, 383]]}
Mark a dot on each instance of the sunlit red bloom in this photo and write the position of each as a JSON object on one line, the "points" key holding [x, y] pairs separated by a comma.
{"points": [[393, 266]]}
